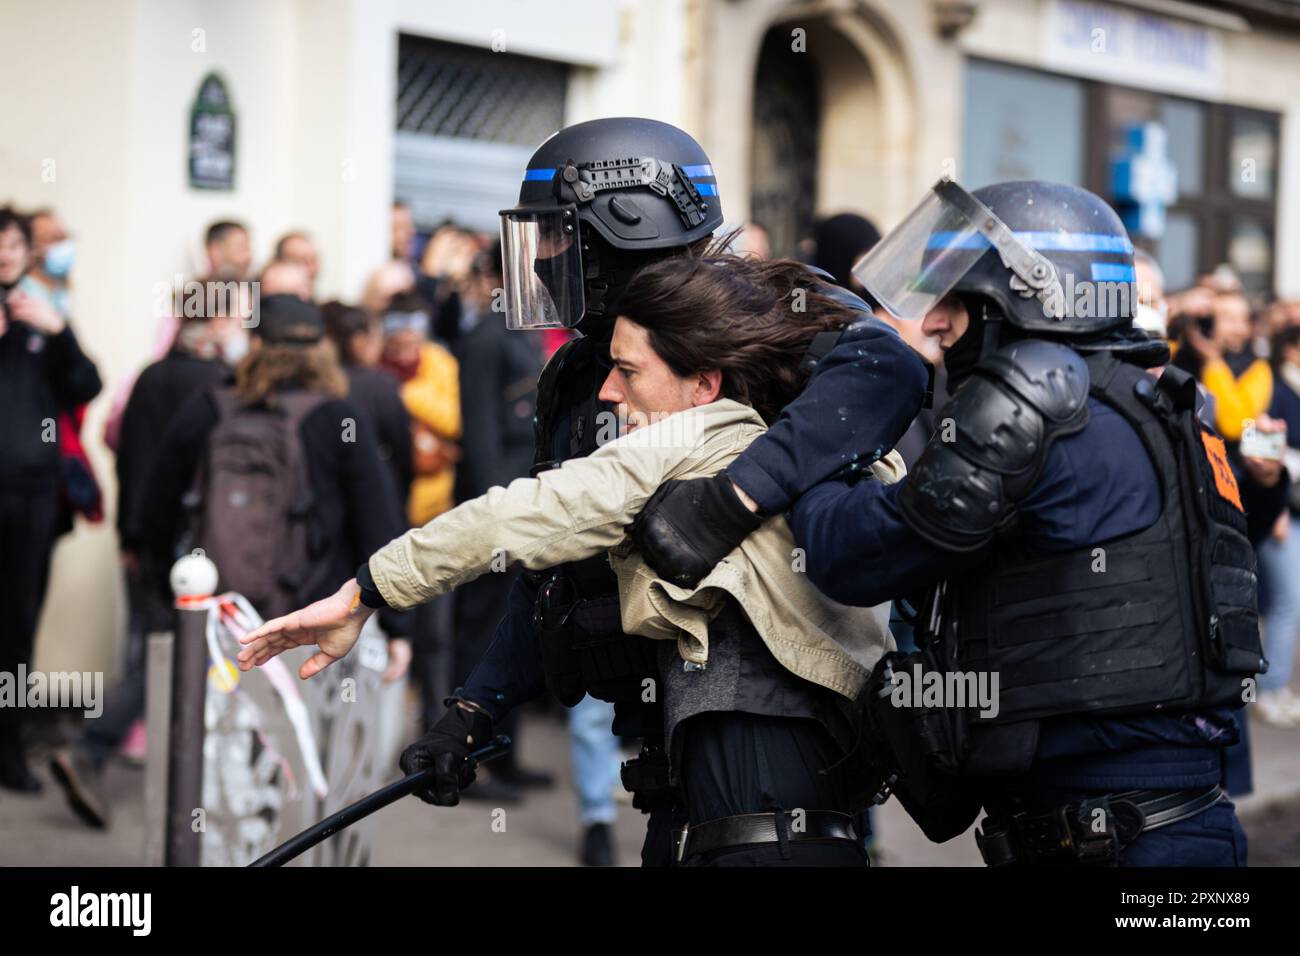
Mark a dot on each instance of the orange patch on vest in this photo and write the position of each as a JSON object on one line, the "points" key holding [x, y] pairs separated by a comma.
{"points": [[1224, 479]]}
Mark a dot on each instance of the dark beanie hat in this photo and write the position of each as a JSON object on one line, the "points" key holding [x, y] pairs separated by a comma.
{"points": [[287, 319], [841, 241]]}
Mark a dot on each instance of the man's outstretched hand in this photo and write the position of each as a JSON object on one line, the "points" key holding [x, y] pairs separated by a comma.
{"points": [[333, 624], [688, 526]]}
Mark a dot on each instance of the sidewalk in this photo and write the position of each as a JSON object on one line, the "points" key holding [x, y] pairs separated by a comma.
{"points": [[543, 830]]}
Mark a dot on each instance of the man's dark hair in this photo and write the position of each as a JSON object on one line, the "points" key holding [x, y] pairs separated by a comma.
{"points": [[751, 319], [488, 262], [407, 302], [342, 323], [219, 230], [284, 241], [1289, 336], [11, 217]]}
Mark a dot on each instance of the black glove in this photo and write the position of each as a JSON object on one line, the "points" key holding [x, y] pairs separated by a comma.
{"points": [[445, 747], [687, 527]]}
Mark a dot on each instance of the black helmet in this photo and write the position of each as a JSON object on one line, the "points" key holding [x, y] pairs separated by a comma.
{"points": [[598, 200], [1051, 258], [1085, 241]]}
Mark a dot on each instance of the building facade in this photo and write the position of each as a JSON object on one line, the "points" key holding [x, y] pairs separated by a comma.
{"points": [[338, 107]]}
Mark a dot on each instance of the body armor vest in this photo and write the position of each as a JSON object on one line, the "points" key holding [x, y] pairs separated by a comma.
{"points": [[1162, 618], [584, 649]]}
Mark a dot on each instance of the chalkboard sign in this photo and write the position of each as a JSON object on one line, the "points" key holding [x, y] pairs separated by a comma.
{"points": [[212, 137]]}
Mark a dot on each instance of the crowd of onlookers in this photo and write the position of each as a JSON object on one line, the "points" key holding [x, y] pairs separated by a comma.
{"points": [[286, 437], [389, 410]]}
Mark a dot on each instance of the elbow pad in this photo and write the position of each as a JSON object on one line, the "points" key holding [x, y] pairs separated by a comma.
{"points": [[991, 443]]}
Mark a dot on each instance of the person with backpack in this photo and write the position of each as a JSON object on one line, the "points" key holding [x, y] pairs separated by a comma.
{"points": [[276, 476]]}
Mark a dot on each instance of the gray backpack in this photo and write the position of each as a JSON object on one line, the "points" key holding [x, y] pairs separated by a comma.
{"points": [[252, 502]]}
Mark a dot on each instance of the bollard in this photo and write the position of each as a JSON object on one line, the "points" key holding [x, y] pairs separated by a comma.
{"points": [[194, 581]]}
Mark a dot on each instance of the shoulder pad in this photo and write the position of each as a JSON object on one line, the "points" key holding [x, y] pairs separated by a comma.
{"points": [[1051, 377], [991, 441]]}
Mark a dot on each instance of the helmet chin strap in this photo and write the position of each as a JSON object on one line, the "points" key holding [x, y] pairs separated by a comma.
{"points": [[982, 336]]}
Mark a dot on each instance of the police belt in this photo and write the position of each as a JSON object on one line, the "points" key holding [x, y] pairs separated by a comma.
{"points": [[745, 829], [1070, 835]]}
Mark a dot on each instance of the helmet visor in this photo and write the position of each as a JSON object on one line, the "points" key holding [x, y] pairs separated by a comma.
{"points": [[542, 262], [918, 262]]}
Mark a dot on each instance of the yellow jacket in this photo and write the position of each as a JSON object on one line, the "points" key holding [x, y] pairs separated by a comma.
{"points": [[433, 397], [1238, 399], [583, 508]]}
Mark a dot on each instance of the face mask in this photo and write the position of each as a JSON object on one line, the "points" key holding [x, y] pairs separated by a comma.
{"points": [[1151, 320], [59, 258], [234, 349]]}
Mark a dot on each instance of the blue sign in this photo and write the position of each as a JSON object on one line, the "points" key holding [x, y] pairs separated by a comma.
{"points": [[1144, 181]]}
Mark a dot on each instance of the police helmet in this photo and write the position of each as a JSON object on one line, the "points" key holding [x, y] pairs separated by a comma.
{"points": [[1051, 258], [598, 200]]}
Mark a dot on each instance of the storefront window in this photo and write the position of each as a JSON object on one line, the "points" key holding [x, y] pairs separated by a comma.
{"points": [[1030, 127], [1184, 122], [1250, 253], [1177, 250], [1252, 155]]}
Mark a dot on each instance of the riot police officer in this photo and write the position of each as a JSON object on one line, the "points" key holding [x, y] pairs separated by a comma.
{"points": [[1075, 531]]}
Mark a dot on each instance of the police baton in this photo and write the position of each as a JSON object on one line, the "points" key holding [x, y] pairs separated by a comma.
{"points": [[367, 805]]}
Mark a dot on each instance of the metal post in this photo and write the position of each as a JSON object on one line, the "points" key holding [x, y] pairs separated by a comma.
{"points": [[193, 578]]}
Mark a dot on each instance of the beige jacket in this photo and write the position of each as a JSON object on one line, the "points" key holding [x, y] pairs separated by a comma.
{"points": [[584, 507]]}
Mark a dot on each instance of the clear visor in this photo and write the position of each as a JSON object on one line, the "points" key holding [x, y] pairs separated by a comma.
{"points": [[542, 262], [921, 259]]}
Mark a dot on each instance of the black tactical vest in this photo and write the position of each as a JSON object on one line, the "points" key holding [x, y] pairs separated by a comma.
{"points": [[1165, 618], [584, 649]]}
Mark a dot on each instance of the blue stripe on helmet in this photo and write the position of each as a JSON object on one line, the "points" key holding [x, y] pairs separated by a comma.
{"points": [[707, 189], [702, 170], [1040, 241], [536, 175], [1113, 272]]}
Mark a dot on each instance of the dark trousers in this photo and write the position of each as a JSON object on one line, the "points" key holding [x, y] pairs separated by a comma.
{"points": [[735, 763], [480, 605], [125, 703], [431, 657], [1211, 838], [28, 528]]}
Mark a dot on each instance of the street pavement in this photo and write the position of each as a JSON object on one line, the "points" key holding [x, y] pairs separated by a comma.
{"points": [[543, 830]]}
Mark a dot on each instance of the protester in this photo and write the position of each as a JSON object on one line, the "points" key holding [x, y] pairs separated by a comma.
{"points": [[228, 250], [53, 255], [357, 339], [297, 248], [284, 277], [402, 234], [390, 279], [1218, 349], [1279, 555], [43, 375]]}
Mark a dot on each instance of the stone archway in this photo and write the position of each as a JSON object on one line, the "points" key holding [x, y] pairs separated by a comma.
{"points": [[831, 90]]}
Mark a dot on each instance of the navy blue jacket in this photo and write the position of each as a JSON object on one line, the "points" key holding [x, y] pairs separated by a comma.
{"points": [[1096, 485]]}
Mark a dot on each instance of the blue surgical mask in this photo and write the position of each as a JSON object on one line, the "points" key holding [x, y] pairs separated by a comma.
{"points": [[59, 258]]}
